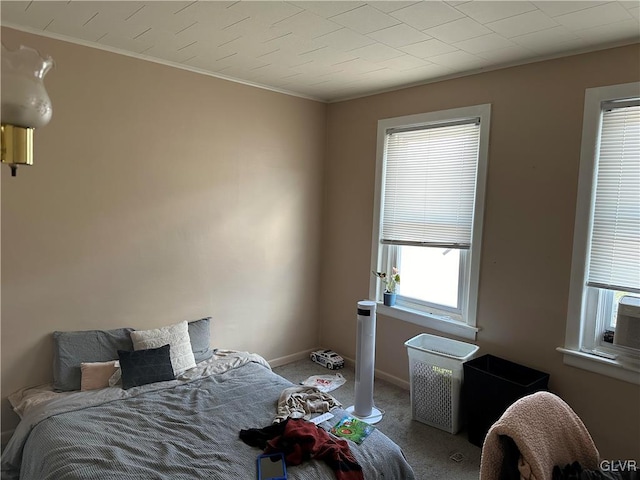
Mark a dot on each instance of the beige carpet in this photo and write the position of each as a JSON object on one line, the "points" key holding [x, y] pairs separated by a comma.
{"points": [[429, 450]]}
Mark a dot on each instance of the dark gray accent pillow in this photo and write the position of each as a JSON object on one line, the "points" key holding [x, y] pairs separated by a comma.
{"points": [[200, 335], [70, 349], [141, 367]]}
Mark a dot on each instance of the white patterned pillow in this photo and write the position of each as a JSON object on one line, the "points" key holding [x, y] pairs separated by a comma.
{"points": [[177, 336]]}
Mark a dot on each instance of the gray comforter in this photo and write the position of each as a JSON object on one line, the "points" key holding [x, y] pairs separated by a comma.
{"points": [[183, 429]]}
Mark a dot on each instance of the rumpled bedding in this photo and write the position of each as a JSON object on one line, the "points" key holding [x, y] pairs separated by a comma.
{"points": [[182, 429], [301, 402]]}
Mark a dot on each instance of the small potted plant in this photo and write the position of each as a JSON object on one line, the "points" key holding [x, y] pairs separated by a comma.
{"points": [[391, 282]]}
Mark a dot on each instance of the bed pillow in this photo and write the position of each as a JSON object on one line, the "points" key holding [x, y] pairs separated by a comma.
{"points": [[70, 349], [200, 336], [177, 336], [96, 375], [142, 367]]}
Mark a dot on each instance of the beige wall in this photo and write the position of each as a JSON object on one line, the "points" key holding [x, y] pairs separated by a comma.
{"points": [[159, 195], [528, 231]]}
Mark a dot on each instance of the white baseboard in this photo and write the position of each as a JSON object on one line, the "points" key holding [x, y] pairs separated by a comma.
{"points": [[294, 357], [404, 384], [382, 375], [277, 362]]}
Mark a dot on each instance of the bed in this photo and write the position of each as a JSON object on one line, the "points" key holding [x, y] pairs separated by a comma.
{"points": [[186, 428]]}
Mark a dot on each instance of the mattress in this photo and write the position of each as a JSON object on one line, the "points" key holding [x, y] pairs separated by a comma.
{"points": [[182, 429]]}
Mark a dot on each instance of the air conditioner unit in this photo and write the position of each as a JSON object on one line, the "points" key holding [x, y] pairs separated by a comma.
{"points": [[628, 323]]}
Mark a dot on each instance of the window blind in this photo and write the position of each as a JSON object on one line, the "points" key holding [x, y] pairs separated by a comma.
{"points": [[614, 254], [429, 185]]}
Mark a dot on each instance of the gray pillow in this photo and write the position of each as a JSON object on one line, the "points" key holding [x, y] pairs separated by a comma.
{"points": [[200, 335], [70, 349]]}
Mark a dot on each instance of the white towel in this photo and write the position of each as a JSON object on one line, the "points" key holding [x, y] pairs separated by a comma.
{"points": [[301, 402]]}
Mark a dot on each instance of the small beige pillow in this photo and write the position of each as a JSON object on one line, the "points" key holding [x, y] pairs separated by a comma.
{"points": [[96, 375]]}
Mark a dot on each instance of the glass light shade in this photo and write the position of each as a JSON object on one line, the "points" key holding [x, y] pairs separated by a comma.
{"points": [[25, 102]]}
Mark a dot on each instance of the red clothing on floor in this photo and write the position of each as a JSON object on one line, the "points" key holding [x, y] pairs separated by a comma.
{"points": [[300, 440]]}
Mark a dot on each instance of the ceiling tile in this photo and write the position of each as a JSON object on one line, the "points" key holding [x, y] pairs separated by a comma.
{"points": [[126, 44], [555, 8], [159, 14], [328, 57], [308, 25], [293, 43], [333, 49], [206, 11], [110, 10], [127, 30], [211, 37], [320, 68], [359, 66], [390, 6], [491, 11], [399, 35], [250, 28], [34, 15], [76, 30], [593, 17], [521, 24], [365, 19], [268, 12], [506, 55], [328, 8], [612, 32], [344, 39], [177, 56], [457, 60], [493, 41], [380, 76], [271, 56], [376, 52], [545, 39], [458, 30], [428, 72], [425, 15], [552, 41], [404, 62], [428, 48]]}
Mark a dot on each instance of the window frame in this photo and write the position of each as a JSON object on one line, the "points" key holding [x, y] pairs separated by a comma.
{"points": [[413, 312], [584, 348]]}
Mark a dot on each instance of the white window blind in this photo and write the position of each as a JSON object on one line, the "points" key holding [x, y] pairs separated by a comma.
{"points": [[614, 255], [429, 184]]}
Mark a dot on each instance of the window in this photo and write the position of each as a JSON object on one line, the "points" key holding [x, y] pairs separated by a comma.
{"points": [[606, 247], [430, 181]]}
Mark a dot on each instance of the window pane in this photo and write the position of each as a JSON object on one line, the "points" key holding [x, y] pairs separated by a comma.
{"points": [[617, 296], [430, 274]]}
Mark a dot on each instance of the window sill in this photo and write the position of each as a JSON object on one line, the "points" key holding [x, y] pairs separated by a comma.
{"points": [[440, 324], [616, 368]]}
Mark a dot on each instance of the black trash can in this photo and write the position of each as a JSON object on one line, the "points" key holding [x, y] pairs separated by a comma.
{"points": [[491, 385]]}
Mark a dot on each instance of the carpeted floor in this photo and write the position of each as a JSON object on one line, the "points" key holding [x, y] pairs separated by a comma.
{"points": [[429, 450]]}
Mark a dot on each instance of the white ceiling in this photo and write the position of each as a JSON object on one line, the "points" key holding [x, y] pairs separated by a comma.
{"points": [[332, 50]]}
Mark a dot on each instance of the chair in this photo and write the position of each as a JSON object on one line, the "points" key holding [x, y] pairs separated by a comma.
{"points": [[533, 435]]}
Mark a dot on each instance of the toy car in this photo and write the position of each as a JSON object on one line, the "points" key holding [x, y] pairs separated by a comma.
{"points": [[327, 358]]}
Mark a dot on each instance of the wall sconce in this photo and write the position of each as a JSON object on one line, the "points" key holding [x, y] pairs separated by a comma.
{"points": [[25, 103]]}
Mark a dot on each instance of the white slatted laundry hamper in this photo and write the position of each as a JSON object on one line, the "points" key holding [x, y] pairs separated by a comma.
{"points": [[436, 375]]}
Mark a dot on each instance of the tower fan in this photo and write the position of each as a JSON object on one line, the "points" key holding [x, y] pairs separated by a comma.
{"points": [[364, 408]]}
